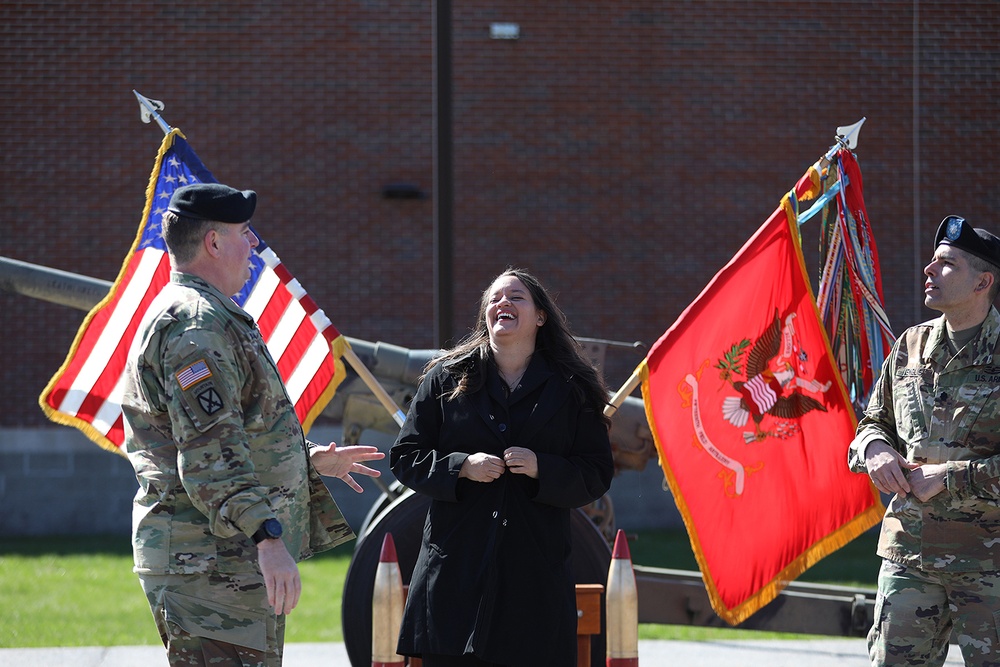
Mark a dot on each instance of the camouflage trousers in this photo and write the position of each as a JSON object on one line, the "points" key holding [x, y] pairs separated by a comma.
{"points": [[215, 619], [916, 612]]}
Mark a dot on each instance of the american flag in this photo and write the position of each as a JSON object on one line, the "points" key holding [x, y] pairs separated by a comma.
{"points": [[86, 391], [194, 373]]}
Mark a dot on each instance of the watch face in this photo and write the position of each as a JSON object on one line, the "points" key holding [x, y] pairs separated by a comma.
{"points": [[272, 527]]}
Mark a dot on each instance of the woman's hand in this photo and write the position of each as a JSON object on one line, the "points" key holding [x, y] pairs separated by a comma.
{"points": [[521, 461], [482, 467]]}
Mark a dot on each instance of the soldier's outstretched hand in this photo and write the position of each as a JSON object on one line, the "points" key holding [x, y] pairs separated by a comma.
{"points": [[340, 462]]}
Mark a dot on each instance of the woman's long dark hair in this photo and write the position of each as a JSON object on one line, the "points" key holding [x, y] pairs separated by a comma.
{"points": [[469, 357]]}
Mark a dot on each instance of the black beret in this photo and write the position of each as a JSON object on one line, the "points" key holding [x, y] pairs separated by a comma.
{"points": [[955, 231], [213, 201]]}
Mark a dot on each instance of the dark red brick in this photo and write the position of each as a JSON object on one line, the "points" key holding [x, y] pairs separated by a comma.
{"points": [[622, 151]]}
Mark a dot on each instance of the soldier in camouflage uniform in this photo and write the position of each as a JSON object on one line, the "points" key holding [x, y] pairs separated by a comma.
{"points": [[230, 493], [931, 437]]}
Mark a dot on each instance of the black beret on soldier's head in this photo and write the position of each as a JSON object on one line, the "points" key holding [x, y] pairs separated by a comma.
{"points": [[213, 201], [955, 231]]}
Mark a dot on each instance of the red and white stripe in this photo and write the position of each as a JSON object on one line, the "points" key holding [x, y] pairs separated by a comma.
{"points": [[87, 391]]}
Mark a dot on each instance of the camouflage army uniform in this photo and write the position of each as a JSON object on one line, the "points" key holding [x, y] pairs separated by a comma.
{"points": [[941, 557], [217, 449]]}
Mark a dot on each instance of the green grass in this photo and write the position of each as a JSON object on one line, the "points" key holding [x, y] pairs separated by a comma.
{"points": [[81, 591], [70, 592]]}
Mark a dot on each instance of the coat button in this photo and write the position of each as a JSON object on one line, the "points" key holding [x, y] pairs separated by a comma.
{"points": [[504, 522], [503, 427], [494, 515]]}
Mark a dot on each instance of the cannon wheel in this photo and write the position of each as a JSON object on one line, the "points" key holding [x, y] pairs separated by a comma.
{"points": [[385, 499], [404, 518]]}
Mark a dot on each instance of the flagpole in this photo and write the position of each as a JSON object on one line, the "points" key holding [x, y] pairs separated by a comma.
{"points": [[847, 137], [619, 396], [376, 388], [149, 110]]}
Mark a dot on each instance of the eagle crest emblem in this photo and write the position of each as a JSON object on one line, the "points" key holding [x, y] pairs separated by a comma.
{"points": [[773, 384], [768, 380]]}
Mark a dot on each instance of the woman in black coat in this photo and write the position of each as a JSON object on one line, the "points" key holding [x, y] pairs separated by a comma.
{"points": [[506, 434]]}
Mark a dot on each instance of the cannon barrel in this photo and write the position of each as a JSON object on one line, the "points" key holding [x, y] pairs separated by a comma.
{"points": [[53, 285]]}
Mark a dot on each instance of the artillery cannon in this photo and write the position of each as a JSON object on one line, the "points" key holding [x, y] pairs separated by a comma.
{"points": [[665, 596]]}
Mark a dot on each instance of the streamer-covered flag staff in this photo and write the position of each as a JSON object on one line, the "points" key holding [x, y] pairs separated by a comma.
{"points": [[752, 418], [850, 296]]}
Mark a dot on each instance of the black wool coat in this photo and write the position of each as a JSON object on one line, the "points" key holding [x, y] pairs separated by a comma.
{"points": [[493, 575]]}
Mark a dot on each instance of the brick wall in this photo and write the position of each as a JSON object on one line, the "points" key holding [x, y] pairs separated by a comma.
{"points": [[621, 151]]}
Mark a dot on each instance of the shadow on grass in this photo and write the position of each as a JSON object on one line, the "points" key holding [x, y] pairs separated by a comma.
{"points": [[66, 545]]}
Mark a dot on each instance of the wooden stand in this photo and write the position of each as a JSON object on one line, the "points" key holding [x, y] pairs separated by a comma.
{"points": [[588, 621]]}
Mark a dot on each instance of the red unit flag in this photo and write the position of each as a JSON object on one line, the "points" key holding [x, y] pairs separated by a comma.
{"points": [[752, 422]]}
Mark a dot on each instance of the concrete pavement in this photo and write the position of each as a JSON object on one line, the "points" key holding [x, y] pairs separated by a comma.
{"points": [[737, 653]]}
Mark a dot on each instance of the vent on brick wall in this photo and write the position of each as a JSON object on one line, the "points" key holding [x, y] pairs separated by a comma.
{"points": [[403, 191]]}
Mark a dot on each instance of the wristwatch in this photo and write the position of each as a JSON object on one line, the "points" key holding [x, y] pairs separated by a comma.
{"points": [[269, 530]]}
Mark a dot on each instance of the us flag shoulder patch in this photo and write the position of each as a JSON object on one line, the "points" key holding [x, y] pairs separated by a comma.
{"points": [[193, 374]]}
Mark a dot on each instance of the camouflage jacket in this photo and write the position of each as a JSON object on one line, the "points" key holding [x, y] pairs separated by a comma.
{"points": [[935, 408], [215, 441]]}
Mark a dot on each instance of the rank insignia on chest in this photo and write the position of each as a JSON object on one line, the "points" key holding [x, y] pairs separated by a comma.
{"points": [[193, 374]]}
